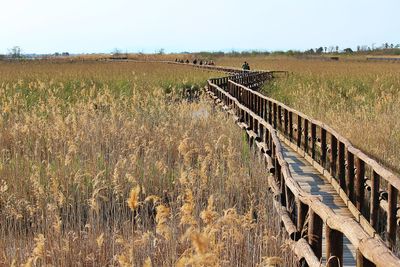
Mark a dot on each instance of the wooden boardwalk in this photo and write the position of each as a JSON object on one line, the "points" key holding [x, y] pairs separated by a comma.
{"points": [[319, 222], [314, 183]]}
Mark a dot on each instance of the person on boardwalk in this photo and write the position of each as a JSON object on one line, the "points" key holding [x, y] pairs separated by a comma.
{"points": [[246, 66]]}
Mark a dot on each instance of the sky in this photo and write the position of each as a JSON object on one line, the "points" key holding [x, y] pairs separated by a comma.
{"points": [[95, 26]]}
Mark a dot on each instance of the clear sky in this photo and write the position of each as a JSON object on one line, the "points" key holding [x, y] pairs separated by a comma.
{"points": [[48, 26]]}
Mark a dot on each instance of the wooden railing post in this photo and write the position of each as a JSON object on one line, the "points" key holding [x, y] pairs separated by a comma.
{"points": [[283, 186], [359, 184], [333, 159], [391, 215], [290, 126], [374, 204], [334, 247], [265, 104], [302, 210], [350, 176], [270, 112], [306, 135], [323, 147], [299, 130], [313, 140], [256, 126], [342, 167], [315, 233], [275, 115], [279, 117], [285, 114]]}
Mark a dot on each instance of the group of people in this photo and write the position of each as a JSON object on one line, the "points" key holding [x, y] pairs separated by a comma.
{"points": [[195, 61], [246, 66]]}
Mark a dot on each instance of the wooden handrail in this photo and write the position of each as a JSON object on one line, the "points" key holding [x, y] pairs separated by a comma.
{"points": [[333, 165]]}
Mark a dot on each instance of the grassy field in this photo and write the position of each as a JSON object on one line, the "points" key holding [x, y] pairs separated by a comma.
{"points": [[360, 99], [114, 164]]}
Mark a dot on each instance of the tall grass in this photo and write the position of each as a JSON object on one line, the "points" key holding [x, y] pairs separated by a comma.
{"points": [[109, 164]]}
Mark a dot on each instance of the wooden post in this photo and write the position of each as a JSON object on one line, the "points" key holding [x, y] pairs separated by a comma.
{"points": [[323, 147], [334, 247], [391, 215], [302, 210], [256, 126], [251, 122], [275, 116], [333, 155], [255, 104], [306, 135], [374, 204], [285, 114], [279, 117], [270, 112], [283, 185], [361, 261], [265, 109], [342, 167], [350, 176], [359, 184], [315, 233], [313, 140], [289, 200], [299, 131]]}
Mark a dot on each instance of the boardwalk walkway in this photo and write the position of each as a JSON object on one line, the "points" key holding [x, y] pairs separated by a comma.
{"points": [[311, 181]]}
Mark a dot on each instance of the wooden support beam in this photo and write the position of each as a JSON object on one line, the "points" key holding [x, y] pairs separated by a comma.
{"points": [[333, 158], [359, 184], [342, 166], [313, 140], [334, 247], [391, 216], [286, 117], [302, 210], [306, 135], [314, 235], [270, 112], [279, 117], [299, 131], [374, 201], [350, 176], [323, 147]]}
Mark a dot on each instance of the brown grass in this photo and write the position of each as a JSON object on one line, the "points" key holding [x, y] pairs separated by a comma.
{"points": [[110, 164]]}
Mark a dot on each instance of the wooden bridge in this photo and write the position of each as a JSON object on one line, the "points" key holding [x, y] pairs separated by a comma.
{"points": [[339, 207]]}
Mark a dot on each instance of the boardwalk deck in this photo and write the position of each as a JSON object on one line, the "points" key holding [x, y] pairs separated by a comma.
{"points": [[313, 182]]}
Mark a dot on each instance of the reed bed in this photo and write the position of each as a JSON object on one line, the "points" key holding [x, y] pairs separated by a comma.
{"points": [[127, 164]]}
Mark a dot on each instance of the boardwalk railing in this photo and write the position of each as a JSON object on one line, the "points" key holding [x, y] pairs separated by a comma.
{"points": [[370, 190], [368, 187]]}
